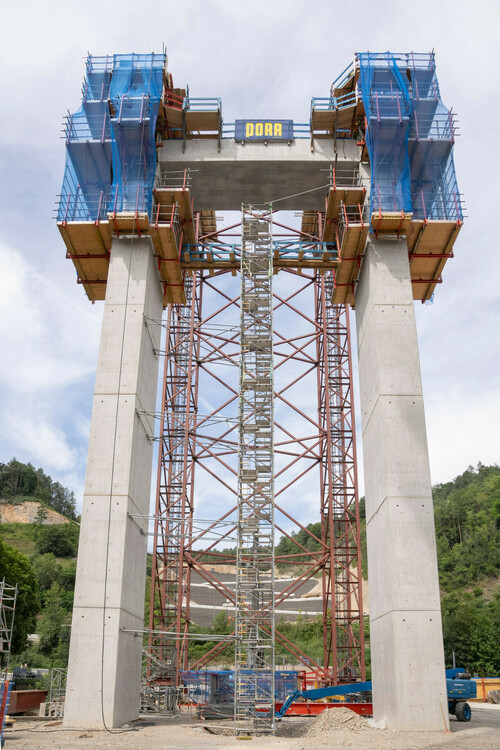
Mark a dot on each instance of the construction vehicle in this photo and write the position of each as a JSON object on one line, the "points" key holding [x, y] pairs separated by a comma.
{"points": [[460, 688]]}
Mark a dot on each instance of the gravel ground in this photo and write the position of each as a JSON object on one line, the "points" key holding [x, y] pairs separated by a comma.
{"points": [[186, 733]]}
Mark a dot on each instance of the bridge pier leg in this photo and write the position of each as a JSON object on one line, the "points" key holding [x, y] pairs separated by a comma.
{"points": [[409, 687], [104, 672]]}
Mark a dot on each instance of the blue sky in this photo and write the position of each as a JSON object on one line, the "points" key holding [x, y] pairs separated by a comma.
{"points": [[265, 59]]}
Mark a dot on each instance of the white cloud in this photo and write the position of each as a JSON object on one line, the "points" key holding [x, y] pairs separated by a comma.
{"points": [[49, 337]]}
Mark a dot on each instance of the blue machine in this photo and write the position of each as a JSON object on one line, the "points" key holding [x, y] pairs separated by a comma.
{"points": [[459, 687]]}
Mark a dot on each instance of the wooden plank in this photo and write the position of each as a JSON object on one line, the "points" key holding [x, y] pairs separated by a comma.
{"points": [[232, 259], [322, 119], [202, 120], [173, 116], [390, 223]]}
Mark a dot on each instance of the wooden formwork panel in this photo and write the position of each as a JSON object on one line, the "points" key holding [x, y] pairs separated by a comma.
{"points": [[173, 116], [391, 222], [350, 252], [309, 222], [200, 121], [95, 292], [125, 222], [322, 119], [89, 243], [208, 223], [350, 196], [430, 245], [346, 116], [170, 196]]}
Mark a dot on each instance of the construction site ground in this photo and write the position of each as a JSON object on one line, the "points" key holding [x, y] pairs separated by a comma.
{"points": [[185, 732]]}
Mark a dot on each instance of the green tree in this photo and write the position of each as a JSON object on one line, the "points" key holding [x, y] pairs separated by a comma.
{"points": [[18, 480], [41, 515], [51, 620], [60, 539], [47, 570], [17, 569]]}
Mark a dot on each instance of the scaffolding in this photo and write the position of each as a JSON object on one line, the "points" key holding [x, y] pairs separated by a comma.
{"points": [[254, 652], [8, 596], [169, 604], [343, 636]]}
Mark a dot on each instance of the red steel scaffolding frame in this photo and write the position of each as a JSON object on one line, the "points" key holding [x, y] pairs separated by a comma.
{"points": [[202, 357]]}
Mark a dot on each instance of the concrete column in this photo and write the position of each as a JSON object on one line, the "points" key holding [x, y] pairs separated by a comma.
{"points": [[408, 671], [105, 663]]}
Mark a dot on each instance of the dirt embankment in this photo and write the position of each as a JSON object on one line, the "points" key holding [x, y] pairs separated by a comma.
{"points": [[27, 512]]}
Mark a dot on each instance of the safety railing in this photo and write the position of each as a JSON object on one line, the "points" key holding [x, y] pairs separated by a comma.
{"points": [[210, 104], [132, 197], [390, 197], [74, 205], [85, 127], [166, 216], [99, 206], [384, 103], [343, 78], [174, 180], [403, 60], [324, 104], [438, 126], [213, 252], [136, 108], [431, 205], [344, 178], [356, 215]]}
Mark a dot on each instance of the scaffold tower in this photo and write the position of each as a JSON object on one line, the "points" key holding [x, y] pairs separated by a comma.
{"points": [[8, 596], [254, 652], [175, 487]]}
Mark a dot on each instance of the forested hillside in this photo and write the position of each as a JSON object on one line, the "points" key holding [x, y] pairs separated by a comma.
{"points": [[42, 559], [20, 482]]}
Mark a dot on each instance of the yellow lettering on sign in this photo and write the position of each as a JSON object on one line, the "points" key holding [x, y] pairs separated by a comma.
{"points": [[249, 129], [278, 129], [268, 128], [259, 128]]}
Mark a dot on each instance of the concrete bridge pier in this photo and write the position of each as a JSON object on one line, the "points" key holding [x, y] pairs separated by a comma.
{"points": [[104, 662], [409, 687]]}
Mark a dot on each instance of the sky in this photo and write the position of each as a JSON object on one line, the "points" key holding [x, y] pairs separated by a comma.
{"points": [[265, 58]]}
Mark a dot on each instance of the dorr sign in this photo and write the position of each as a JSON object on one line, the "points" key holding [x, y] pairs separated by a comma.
{"points": [[263, 130]]}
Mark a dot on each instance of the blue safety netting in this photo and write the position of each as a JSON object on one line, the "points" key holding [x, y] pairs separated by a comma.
{"points": [[409, 135], [217, 686], [110, 140], [135, 94], [387, 108]]}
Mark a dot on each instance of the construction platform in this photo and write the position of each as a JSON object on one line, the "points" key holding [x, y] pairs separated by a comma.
{"points": [[430, 245], [169, 224]]}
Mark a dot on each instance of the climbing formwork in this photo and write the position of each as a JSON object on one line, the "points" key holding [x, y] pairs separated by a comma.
{"points": [[391, 104]]}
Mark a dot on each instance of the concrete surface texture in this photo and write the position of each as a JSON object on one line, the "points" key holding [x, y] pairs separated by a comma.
{"points": [[409, 689], [261, 174], [105, 663]]}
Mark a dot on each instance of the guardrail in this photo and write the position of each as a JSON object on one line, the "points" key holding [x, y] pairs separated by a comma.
{"points": [[210, 104], [214, 252]]}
